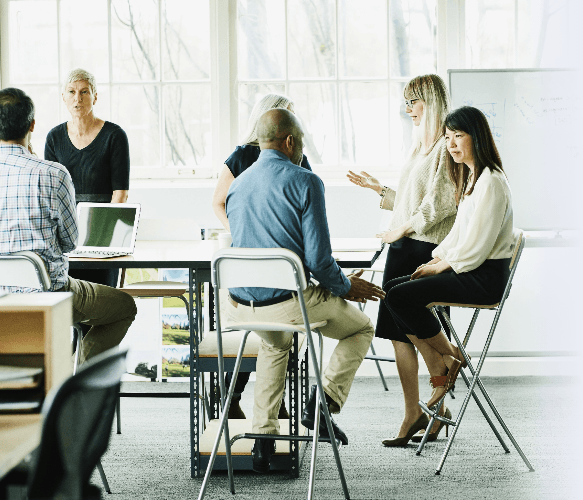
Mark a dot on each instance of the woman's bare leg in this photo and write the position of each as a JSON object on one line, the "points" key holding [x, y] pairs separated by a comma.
{"points": [[408, 368], [443, 346], [436, 364]]}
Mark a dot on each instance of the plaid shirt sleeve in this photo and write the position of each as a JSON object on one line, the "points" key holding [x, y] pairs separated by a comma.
{"points": [[67, 227]]}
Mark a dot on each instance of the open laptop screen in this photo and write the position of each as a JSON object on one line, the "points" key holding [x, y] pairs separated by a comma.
{"points": [[107, 225]]}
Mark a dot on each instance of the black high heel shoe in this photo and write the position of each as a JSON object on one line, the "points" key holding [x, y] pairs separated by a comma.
{"points": [[433, 435], [421, 423]]}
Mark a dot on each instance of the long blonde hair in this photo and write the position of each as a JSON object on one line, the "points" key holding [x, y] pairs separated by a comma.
{"points": [[267, 102], [432, 91]]}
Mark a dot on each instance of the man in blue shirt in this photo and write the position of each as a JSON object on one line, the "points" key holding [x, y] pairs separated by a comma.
{"points": [[276, 203]]}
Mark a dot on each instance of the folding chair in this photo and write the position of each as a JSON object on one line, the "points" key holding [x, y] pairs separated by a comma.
{"points": [[434, 414], [27, 270], [265, 268]]}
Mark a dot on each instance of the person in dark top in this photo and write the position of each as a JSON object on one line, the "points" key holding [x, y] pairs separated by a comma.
{"points": [[240, 160], [95, 152], [247, 153], [100, 171]]}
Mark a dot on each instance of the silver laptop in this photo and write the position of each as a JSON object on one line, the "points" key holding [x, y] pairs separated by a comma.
{"points": [[106, 229]]}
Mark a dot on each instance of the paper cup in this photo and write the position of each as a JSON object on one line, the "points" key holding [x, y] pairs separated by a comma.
{"points": [[225, 240]]}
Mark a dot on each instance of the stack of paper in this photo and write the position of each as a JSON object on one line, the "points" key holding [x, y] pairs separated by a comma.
{"points": [[21, 389]]}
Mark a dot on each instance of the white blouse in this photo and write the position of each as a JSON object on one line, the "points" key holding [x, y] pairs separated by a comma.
{"points": [[483, 227]]}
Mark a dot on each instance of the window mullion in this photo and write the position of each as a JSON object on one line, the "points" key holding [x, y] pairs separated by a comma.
{"points": [[59, 72], [110, 56], [338, 147], [223, 17], [162, 116]]}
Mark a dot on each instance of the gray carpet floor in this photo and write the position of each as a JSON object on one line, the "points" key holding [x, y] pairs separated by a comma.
{"points": [[150, 459]]}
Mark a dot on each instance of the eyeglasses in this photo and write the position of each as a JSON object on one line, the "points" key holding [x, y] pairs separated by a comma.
{"points": [[409, 102]]}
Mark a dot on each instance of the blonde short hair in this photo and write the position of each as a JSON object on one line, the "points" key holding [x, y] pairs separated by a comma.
{"points": [[79, 74]]}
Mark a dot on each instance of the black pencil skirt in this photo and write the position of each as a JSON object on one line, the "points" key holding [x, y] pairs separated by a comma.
{"points": [[403, 258], [407, 300]]}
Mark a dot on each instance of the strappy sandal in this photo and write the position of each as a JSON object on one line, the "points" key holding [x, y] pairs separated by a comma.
{"points": [[438, 384], [454, 370]]}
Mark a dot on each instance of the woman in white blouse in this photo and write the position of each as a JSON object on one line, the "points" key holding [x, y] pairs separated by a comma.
{"points": [[471, 265]]}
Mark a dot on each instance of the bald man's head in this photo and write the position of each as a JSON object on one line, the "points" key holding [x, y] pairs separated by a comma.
{"points": [[280, 129]]}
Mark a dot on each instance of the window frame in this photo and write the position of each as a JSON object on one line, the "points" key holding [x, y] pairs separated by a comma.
{"points": [[224, 82]]}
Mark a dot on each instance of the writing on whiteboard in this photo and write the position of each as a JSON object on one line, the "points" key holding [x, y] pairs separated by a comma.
{"points": [[494, 113]]}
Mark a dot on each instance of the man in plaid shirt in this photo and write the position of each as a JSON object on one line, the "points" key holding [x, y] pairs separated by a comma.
{"points": [[37, 213]]}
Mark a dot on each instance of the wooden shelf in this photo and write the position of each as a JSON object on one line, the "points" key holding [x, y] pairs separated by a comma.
{"points": [[19, 435], [35, 330], [242, 447], [38, 325]]}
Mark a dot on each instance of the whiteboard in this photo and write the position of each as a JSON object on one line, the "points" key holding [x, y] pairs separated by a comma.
{"points": [[533, 115]]}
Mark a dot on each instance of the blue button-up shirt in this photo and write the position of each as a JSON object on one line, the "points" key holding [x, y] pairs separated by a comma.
{"points": [[37, 211], [276, 204]]}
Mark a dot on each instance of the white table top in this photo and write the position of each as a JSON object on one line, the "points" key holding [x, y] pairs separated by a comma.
{"points": [[199, 254]]}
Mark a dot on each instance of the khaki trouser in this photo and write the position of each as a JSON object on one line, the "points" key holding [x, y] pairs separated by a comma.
{"points": [[108, 310], [346, 323]]}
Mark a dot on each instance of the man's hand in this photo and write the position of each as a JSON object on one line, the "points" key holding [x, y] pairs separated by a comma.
{"points": [[362, 290], [431, 268]]}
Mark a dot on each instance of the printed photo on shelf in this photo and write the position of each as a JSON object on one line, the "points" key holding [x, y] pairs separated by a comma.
{"points": [[175, 327], [142, 365], [175, 361], [143, 341], [177, 275]]}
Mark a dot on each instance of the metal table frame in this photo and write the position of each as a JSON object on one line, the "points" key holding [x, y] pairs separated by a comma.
{"points": [[196, 257]]}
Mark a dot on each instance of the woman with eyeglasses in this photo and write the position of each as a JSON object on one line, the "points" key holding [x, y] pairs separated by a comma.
{"points": [[424, 211], [472, 264]]}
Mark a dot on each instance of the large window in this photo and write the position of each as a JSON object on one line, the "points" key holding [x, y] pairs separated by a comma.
{"points": [[344, 64], [520, 33], [151, 60], [181, 76]]}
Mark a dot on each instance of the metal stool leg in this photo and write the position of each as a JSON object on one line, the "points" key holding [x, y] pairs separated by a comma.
{"points": [[317, 371], [118, 414], [471, 389], [224, 417], [103, 478], [379, 367]]}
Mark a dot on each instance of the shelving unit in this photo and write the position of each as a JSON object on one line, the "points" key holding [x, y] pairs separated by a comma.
{"points": [[35, 331], [287, 456]]}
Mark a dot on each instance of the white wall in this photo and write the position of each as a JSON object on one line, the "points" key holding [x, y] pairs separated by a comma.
{"points": [[540, 315]]}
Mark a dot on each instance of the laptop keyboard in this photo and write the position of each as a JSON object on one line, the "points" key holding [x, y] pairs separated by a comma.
{"points": [[98, 254]]}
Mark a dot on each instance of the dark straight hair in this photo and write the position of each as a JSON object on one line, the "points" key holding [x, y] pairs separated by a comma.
{"points": [[16, 114], [473, 122]]}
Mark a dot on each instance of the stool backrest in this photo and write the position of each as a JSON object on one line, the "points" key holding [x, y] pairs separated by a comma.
{"points": [[24, 269], [518, 246], [258, 267]]}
